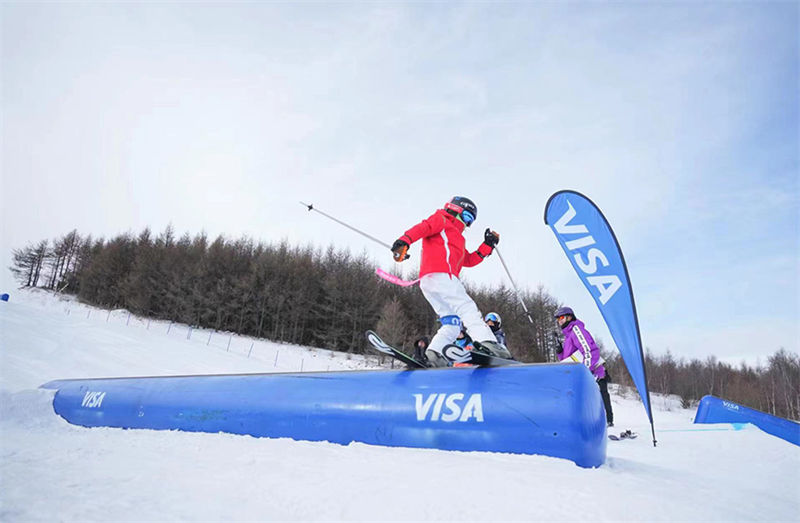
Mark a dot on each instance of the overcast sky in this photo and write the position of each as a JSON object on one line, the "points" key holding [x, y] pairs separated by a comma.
{"points": [[679, 119]]}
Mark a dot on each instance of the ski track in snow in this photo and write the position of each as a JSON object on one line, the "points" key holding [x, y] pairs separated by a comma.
{"points": [[53, 471]]}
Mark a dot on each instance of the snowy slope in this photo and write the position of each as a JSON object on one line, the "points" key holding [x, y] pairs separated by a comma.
{"points": [[53, 471]]}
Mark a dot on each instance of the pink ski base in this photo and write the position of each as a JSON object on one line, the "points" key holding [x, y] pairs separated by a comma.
{"points": [[394, 279]]}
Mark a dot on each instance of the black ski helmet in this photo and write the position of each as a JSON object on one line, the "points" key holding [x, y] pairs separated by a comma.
{"points": [[463, 207]]}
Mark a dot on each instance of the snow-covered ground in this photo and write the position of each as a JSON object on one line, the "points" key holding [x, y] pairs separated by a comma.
{"points": [[53, 471]]}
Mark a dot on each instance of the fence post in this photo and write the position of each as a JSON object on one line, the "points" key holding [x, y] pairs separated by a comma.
{"points": [[209, 338], [251, 348], [88, 314], [229, 344], [129, 318], [189, 333], [169, 327], [148, 323], [109, 316], [276, 358]]}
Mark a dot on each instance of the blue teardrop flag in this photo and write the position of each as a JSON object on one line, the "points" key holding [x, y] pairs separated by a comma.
{"points": [[593, 250]]}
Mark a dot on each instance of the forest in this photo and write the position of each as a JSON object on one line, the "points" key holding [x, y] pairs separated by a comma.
{"points": [[329, 297]]}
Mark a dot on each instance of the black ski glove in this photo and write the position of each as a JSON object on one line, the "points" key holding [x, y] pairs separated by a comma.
{"points": [[491, 238], [400, 250]]}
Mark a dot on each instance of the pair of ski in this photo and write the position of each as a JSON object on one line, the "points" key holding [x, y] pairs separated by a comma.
{"points": [[455, 354]]}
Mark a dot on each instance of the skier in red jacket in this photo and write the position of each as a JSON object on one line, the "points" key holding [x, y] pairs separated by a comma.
{"points": [[443, 255]]}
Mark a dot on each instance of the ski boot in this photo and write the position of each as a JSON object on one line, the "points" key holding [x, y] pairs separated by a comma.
{"points": [[435, 359]]}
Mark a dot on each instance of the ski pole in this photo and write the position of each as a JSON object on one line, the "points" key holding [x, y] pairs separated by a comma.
{"points": [[514, 285], [340, 222]]}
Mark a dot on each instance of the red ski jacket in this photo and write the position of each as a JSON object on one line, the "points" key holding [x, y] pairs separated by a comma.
{"points": [[443, 245]]}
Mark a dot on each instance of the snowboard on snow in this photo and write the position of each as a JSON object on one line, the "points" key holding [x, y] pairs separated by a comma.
{"points": [[381, 346], [623, 435]]}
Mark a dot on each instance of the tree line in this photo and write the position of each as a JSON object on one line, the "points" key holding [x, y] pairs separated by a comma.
{"points": [[773, 387], [303, 295], [330, 297]]}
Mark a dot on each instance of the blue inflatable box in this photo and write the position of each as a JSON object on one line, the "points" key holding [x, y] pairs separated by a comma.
{"points": [[715, 410], [549, 409]]}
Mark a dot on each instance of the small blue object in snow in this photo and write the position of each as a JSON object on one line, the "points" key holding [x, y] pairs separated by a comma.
{"points": [[4, 297], [716, 410]]}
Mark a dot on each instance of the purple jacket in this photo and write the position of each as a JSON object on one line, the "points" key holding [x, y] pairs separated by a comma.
{"points": [[578, 343]]}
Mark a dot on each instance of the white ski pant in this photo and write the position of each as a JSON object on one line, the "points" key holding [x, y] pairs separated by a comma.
{"points": [[447, 296]]}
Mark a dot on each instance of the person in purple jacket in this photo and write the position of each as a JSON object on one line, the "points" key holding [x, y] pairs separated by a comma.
{"points": [[579, 346]]}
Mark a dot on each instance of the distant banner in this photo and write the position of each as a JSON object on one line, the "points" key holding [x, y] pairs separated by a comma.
{"points": [[391, 278], [593, 250]]}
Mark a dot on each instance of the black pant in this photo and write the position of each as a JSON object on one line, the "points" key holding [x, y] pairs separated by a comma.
{"points": [[606, 399]]}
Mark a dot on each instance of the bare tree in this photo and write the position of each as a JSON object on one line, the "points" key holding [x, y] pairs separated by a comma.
{"points": [[393, 323], [24, 264]]}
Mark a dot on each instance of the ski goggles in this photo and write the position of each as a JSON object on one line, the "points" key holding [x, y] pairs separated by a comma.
{"points": [[468, 217]]}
